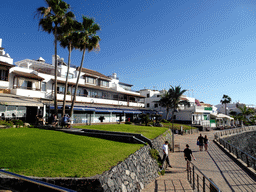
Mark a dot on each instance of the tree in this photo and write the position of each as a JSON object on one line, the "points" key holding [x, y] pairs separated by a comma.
{"points": [[52, 17], [173, 100], [68, 39], [246, 111], [87, 40], [225, 99], [165, 101]]}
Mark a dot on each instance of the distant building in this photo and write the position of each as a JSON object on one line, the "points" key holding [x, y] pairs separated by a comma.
{"points": [[197, 114]]}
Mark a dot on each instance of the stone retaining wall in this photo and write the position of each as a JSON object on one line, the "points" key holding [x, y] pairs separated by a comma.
{"points": [[133, 174]]}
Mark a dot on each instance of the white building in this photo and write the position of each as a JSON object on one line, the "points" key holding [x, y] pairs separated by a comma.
{"points": [[196, 114], [97, 94]]}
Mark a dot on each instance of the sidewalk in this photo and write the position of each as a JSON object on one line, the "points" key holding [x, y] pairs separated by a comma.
{"points": [[214, 163]]}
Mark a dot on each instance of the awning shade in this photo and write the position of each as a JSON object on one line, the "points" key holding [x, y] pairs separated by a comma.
{"points": [[102, 111], [133, 112], [83, 109], [27, 75]]}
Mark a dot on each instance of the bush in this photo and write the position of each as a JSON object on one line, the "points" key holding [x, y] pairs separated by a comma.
{"points": [[128, 122], [7, 123], [164, 121], [17, 122], [155, 155], [101, 118]]}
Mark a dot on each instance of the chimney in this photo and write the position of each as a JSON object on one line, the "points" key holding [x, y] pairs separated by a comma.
{"points": [[0, 43], [53, 59], [114, 75]]}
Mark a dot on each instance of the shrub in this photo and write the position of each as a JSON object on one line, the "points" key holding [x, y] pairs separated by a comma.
{"points": [[164, 121], [128, 122], [101, 118], [17, 122], [155, 155]]}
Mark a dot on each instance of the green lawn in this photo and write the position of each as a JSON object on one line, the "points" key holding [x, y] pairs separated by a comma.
{"points": [[177, 126], [37, 152], [149, 132]]}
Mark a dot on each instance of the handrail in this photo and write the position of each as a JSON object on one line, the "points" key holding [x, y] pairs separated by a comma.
{"points": [[44, 184], [195, 182], [233, 149]]}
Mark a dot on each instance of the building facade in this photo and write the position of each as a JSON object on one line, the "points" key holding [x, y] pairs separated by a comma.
{"points": [[97, 94]]}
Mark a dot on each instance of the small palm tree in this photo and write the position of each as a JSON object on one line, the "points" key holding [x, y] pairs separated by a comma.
{"points": [[173, 101], [87, 40], [225, 99], [52, 17]]}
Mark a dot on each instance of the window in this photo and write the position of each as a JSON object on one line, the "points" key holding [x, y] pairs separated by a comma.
{"points": [[148, 95], [43, 86], [104, 83], [148, 105], [70, 75], [3, 75], [156, 105], [90, 80], [158, 95]]}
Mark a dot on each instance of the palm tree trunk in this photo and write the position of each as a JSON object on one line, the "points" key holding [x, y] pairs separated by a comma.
{"points": [[80, 69], [66, 83], [167, 111], [56, 71], [225, 109]]}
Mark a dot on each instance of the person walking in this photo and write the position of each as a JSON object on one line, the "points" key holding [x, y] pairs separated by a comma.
{"points": [[200, 142], [206, 142], [187, 155], [165, 157]]}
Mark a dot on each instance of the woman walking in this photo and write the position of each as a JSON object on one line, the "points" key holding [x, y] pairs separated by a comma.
{"points": [[206, 141]]}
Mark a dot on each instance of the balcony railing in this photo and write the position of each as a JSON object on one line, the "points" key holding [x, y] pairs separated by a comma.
{"points": [[28, 88], [3, 78]]}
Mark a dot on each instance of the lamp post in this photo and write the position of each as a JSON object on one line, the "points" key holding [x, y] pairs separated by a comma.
{"points": [[191, 122]]}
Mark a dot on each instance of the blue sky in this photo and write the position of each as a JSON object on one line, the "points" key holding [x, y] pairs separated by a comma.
{"points": [[206, 47]]}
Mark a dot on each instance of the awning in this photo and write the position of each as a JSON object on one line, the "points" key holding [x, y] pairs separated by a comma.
{"points": [[28, 75], [102, 111], [83, 109], [222, 116], [133, 112]]}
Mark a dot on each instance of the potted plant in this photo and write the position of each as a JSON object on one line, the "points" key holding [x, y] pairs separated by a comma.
{"points": [[101, 118]]}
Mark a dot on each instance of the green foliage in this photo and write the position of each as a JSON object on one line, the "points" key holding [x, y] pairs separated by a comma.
{"points": [[144, 118], [58, 154], [128, 122], [155, 155], [164, 121], [7, 123], [162, 172], [18, 122], [149, 132]]}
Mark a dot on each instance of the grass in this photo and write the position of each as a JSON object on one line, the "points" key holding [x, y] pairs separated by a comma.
{"points": [[177, 126], [149, 132], [46, 153]]}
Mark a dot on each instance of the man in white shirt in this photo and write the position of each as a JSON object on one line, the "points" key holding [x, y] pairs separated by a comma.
{"points": [[165, 151]]}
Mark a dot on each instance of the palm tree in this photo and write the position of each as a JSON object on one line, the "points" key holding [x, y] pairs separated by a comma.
{"points": [[52, 17], [173, 100], [165, 102], [68, 40], [225, 99], [87, 40]]}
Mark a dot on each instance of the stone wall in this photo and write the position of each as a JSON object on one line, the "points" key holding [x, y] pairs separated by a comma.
{"points": [[244, 141], [133, 174]]}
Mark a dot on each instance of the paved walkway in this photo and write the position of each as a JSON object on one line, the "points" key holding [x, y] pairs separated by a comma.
{"points": [[214, 163]]}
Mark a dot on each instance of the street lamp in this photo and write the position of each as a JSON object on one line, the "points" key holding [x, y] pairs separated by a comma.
{"points": [[191, 122]]}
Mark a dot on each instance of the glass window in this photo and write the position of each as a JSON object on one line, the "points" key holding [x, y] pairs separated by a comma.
{"points": [[104, 83], [148, 95], [148, 105], [156, 105], [90, 80], [43, 86]]}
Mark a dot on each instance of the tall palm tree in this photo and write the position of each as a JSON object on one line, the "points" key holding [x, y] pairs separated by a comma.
{"points": [[225, 99], [52, 17], [68, 39], [165, 102], [87, 40]]}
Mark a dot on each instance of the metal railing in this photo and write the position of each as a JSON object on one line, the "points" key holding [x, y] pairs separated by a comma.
{"points": [[38, 183], [199, 181], [239, 154]]}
